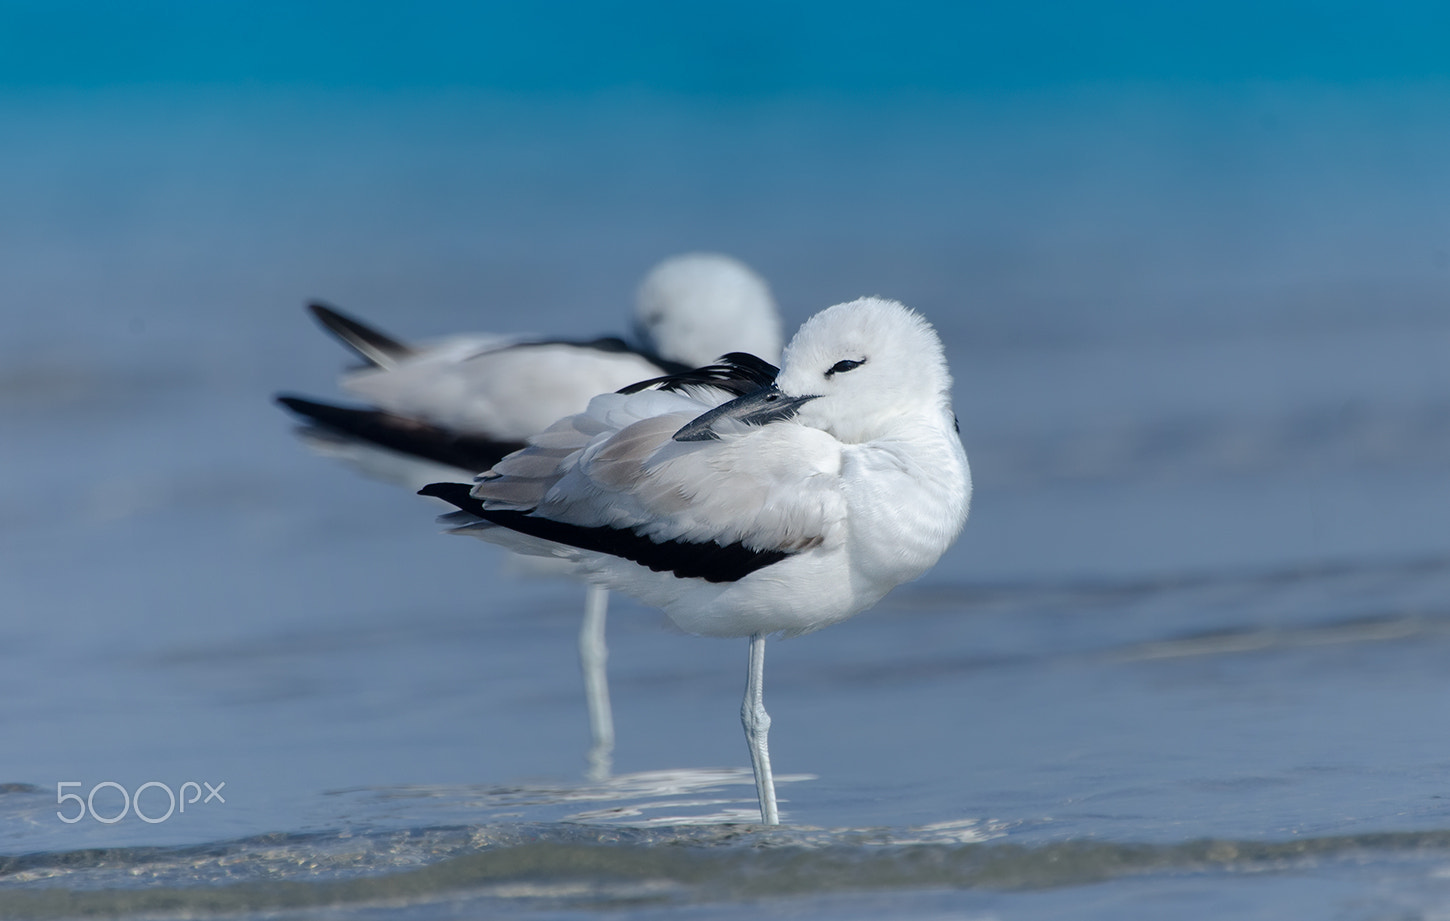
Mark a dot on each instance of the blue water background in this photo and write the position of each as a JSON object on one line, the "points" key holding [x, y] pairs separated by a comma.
{"points": [[1191, 267]]}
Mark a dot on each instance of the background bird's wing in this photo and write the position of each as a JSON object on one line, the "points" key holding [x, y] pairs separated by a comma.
{"points": [[506, 390]]}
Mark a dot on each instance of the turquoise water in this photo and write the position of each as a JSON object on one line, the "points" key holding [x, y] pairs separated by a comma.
{"points": [[1186, 660], [746, 50]]}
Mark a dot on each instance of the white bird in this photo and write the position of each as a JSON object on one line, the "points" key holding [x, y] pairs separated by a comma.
{"points": [[455, 407], [797, 504]]}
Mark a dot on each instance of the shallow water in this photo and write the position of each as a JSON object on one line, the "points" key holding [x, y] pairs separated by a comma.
{"points": [[1186, 660]]}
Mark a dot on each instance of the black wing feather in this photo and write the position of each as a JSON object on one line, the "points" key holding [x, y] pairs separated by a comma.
{"points": [[407, 436], [374, 347], [709, 560], [738, 373]]}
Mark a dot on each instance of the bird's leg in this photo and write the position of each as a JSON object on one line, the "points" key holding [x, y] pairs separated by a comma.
{"points": [[593, 656], [757, 729]]}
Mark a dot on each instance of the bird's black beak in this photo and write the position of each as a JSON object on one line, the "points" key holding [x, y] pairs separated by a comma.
{"points": [[762, 407]]}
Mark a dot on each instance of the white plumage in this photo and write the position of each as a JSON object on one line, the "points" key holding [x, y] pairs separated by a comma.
{"points": [[695, 307], [465, 401], [454, 407], [784, 510]]}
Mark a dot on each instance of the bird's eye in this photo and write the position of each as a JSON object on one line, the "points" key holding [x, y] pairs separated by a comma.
{"points": [[845, 364]]}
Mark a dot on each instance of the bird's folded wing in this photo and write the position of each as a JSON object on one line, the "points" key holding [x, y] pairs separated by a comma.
{"points": [[615, 466], [508, 393]]}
